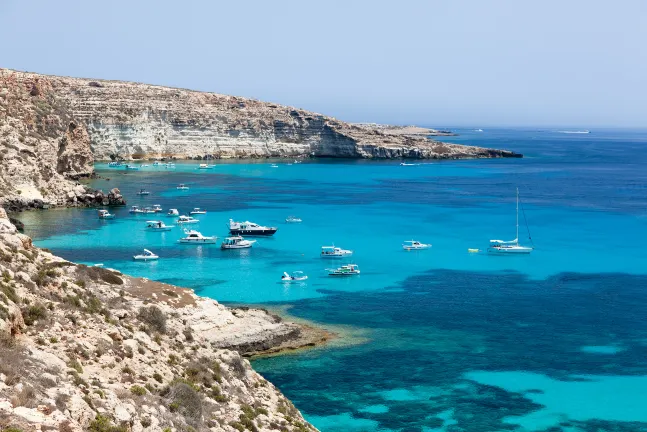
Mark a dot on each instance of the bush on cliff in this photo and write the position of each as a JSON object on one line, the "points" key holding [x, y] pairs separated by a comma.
{"points": [[154, 317]]}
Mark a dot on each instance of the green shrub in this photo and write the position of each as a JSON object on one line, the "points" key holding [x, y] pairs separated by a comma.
{"points": [[10, 292], [138, 390], [34, 313], [158, 377], [154, 317], [76, 365], [103, 424]]}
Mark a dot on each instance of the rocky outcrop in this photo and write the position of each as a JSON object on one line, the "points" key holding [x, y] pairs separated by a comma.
{"points": [[87, 348], [42, 150], [133, 121]]}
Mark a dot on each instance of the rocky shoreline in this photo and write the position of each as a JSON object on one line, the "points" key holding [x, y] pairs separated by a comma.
{"points": [[90, 348]]}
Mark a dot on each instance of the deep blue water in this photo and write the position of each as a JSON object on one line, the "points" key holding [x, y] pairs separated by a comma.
{"points": [[433, 340]]}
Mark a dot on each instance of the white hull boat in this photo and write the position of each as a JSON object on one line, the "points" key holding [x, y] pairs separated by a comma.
{"points": [[414, 245], [236, 242], [197, 211], [187, 220], [146, 256], [182, 187], [136, 210], [296, 276], [511, 247], [173, 213], [103, 214], [345, 270], [334, 252], [157, 208], [293, 219], [158, 226], [195, 237], [205, 166]]}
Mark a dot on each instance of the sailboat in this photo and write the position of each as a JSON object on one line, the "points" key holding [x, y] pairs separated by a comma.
{"points": [[512, 246]]}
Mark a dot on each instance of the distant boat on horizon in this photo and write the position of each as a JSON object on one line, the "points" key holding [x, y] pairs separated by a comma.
{"points": [[576, 132]]}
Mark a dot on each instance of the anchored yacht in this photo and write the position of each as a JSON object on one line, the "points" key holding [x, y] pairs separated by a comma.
{"points": [[196, 237], [511, 246], [250, 229], [334, 252], [236, 242]]}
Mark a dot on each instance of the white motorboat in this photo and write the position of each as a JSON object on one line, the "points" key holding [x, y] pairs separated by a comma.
{"points": [[146, 256], [182, 186], [187, 220], [114, 164], [131, 167], [205, 166], [136, 210], [415, 245], [148, 210], [158, 226], [197, 210], [236, 242], [144, 165], [103, 214], [156, 163], [293, 219], [345, 270], [157, 208], [172, 212], [334, 252], [511, 246], [274, 166], [250, 229], [195, 237], [294, 277]]}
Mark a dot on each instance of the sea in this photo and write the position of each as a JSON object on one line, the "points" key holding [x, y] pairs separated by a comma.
{"points": [[442, 339]]}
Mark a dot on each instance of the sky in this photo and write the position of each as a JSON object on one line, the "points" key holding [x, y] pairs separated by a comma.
{"points": [[433, 62]]}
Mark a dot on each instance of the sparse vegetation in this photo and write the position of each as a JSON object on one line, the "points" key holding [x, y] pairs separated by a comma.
{"points": [[154, 317], [34, 313], [103, 424], [138, 390]]}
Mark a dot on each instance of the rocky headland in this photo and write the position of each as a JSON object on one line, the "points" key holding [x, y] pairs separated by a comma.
{"points": [[87, 348], [52, 129]]}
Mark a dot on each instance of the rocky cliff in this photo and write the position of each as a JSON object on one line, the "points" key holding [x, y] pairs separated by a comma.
{"points": [[133, 121], [86, 348]]}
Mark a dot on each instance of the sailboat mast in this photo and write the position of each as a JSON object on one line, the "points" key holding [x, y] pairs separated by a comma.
{"points": [[517, 216]]}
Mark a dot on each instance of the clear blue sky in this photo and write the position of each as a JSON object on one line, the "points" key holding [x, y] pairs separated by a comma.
{"points": [[434, 62]]}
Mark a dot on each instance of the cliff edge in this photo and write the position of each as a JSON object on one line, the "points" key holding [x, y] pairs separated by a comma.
{"points": [[87, 348]]}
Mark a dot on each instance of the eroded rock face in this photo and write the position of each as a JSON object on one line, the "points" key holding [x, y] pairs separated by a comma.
{"points": [[88, 348], [134, 121]]}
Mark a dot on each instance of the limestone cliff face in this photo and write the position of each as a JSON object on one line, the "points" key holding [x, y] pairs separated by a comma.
{"points": [[41, 147], [133, 121]]}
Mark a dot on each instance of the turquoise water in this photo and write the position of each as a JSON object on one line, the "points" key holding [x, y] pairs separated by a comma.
{"points": [[455, 341]]}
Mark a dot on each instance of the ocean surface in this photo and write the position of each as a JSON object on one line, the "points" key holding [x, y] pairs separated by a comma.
{"points": [[433, 340]]}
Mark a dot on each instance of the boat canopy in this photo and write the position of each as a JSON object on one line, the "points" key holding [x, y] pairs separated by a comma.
{"points": [[503, 242], [148, 252]]}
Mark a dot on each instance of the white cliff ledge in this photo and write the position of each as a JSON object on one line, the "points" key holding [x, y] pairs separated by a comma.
{"points": [[86, 348]]}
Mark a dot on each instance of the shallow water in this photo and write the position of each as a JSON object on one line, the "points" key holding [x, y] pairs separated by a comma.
{"points": [[457, 341]]}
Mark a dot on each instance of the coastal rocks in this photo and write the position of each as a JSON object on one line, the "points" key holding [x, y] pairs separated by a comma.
{"points": [[88, 348]]}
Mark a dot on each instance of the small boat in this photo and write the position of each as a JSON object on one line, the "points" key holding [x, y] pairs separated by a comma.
{"points": [[187, 220], [146, 256], [172, 212], [103, 214], [334, 252], [236, 242], [158, 226], [407, 164], [144, 165], [274, 166], [114, 164], [182, 186], [169, 165], [293, 219], [197, 210], [415, 245], [136, 210], [157, 208], [512, 246], [205, 166], [195, 237], [297, 161], [156, 163], [294, 277], [473, 250], [345, 270], [250, 229], [143, 192], [148, 210], [131, 167]]}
